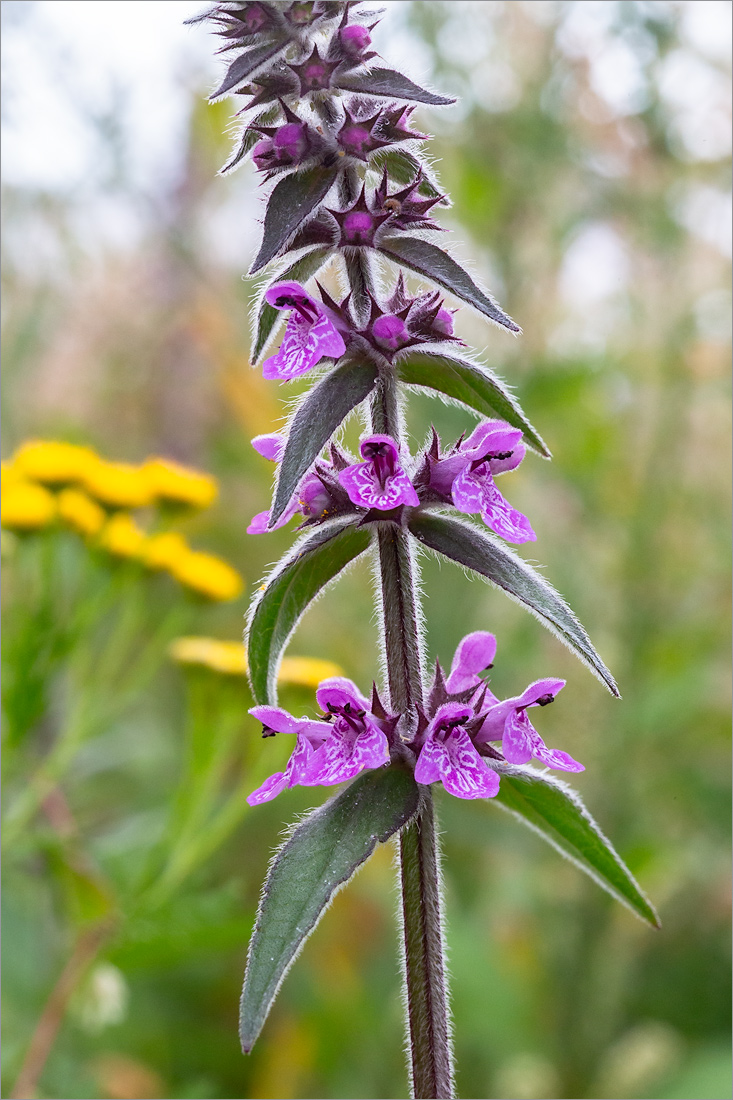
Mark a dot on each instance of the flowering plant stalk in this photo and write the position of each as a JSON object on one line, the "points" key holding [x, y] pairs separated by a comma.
{"points": [[328, 126]]}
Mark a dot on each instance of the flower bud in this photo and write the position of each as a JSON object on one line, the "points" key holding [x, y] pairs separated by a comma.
{"points": [[291, 141], [263, 154], [355, 39], [254, 18], [443, 323], [390, 332]]}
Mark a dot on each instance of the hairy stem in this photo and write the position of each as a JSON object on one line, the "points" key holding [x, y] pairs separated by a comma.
{"points": [[427, 999]]}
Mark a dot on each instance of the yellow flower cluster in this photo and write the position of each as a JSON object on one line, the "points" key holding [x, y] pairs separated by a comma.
{"points": [[230, 659], [89, 488]]}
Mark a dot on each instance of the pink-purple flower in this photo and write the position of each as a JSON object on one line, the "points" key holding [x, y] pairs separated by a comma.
{"points": [[349, 739], [309, 736], [312, 500], [379, 481], [448, 754], [466, 477], [520, 742], [309, 336]]}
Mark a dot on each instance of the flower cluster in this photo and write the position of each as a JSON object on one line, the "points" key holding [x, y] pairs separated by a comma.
{"points": [[465, 737], [51, 481]]}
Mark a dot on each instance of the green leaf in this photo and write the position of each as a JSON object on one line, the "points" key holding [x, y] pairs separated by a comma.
{"points": [[318, 416], [387, 82], [464, 543], [402, 167], [323, 852], [246, 64], [472, 385], [292, 200], [301, 271], [435, 264], [557, 813], [312, 563]]}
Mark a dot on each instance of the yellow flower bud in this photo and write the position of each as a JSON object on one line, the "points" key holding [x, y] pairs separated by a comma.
{"points": [[118, 484], [53, 461], [27, 507], [80, 512], [171, 482], [208, 575], [122, 537]]}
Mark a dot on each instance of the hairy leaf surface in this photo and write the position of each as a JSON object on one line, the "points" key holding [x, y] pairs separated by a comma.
{"points": [[323, 852], [292, 200], [319, 414], [312, 563], [466, 544], [470, 384], [558, 814], [246, 64], [435, 264], [387, 82]]}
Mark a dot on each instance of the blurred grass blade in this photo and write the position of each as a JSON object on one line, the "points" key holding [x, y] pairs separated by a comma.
{"points": [[301, 271], [472, 385], [292, 200], [466, 544], [312, 563], [323, 852], [435, 264], [318, 416], [387, 82], [557, 813]]}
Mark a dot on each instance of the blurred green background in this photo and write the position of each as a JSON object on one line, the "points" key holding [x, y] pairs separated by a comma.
{"points": [[588, 164]]}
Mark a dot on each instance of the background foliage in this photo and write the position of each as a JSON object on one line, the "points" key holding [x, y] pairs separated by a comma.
{"points": [[588, 167]]}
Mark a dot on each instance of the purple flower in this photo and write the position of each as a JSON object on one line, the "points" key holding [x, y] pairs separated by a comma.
{"points": [[309, 736], [379, 481], [520, 742], [391, 332], [309, 336], [475, 653], [449, 755], [468, 477], [312, 499], [355, 740]]}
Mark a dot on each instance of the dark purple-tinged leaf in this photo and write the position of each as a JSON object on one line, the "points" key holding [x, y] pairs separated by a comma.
{"points": [[320, 413], [303, 269], [466, 544], [472, 385], [387, 82], [250, 137], [323, 853], [292, 200], [557, 813], [311, 564], [246, 65], [435, 264]]}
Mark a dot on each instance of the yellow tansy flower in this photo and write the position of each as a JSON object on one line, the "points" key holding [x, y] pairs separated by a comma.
{"points": [[80, 512], [208, 575], [11, 475], [179, 484], [122, 537], [118, 484], [53, 461], [226, 657], [165, 550], [27, 507], [307, 671], [229, 658]]}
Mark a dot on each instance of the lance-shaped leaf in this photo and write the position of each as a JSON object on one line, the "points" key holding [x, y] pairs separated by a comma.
{"points": [[319, 414], [472, 385], [435, 264], [387, 82], [246, 64], [557, 813], [464, 543], [322, 854], [301, 271], [292, 200], [312, 564]]}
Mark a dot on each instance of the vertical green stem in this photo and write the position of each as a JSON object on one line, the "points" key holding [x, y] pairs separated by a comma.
{"points": [[427, 999]]}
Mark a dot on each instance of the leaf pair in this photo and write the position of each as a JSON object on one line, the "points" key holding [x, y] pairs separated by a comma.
{"points": [[327, 849]]}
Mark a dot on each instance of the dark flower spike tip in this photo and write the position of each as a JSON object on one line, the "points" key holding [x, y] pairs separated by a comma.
{"points": [[358, 224]]}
